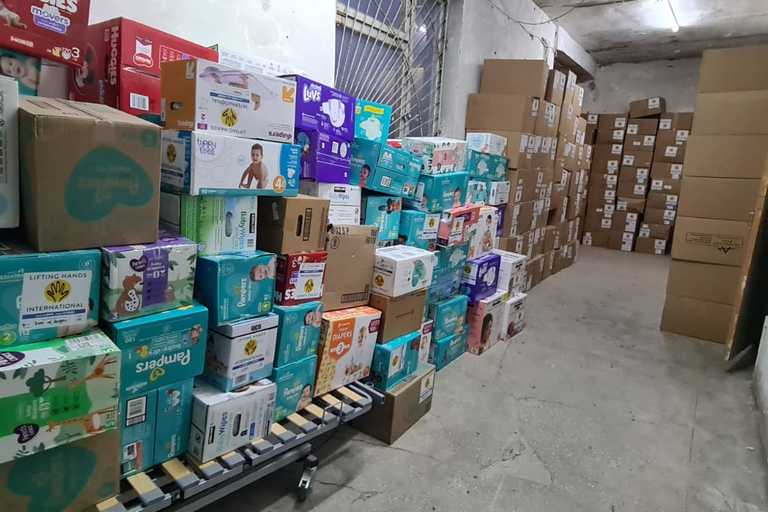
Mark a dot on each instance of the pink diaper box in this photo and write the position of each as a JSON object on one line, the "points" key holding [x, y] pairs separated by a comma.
{"points": [[486, 322]]}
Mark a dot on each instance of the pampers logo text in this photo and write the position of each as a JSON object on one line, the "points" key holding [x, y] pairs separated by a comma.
{"points": [[181, 358], [311, 93]]}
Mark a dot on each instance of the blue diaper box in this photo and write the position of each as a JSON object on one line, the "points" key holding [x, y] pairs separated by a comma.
{"points": [[443, 287], [235, 286], [382, 168], [486, 166], [419, 229], [295, 382], [174, 414], [395, 360], [383, 212], [477, 192], [47, 295], [449, 316], [298, 332], [481, 275], [451, 259], [438, 192], [372, 120], [444, 351]]}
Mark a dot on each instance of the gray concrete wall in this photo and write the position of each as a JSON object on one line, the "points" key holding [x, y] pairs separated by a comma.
{"points": [[616, 85]]}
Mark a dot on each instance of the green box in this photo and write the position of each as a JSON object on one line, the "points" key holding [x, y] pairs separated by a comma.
{"points": [[295, 386]]}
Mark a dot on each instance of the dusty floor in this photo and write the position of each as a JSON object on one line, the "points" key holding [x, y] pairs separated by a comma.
{"points": [[591, 409]]}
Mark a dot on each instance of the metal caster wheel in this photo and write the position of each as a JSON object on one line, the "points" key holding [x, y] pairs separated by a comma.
{"points": [[305, 483]]}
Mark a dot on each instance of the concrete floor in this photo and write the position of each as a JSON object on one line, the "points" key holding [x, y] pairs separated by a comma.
{"points": [[590, 409]]}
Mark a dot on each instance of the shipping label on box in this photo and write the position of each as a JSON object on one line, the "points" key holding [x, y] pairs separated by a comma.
{"points": [[220, 223], [295, 384]]}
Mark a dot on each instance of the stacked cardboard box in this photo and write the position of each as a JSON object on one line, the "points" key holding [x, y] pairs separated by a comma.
{"points": [[724, 164]]}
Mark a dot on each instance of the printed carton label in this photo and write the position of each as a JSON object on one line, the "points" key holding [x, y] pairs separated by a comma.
{"points": [[632, 129], [426, 387], [613, 165], [54, 299], [616, 149], [665, 124], [676, 170], [721, 243], [670, 151], [618, 134], [681, 136], [649, 140], [639, 190], [628, 160], [620, 122], [657, 185], [654, 103]]}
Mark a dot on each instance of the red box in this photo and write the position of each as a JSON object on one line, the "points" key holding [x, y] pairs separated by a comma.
{"points": [[300, 277], [50, 29], [122, 65]]}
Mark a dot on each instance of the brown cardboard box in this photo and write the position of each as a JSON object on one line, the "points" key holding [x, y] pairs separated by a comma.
{"points": [[626, 221], [658, 231], [599, 195], [514, 113], [518, 219], [612, 136], [710, 240], [657, 246], [637, 158], [525, 188], [642, 127], [608, 122], [349, 268], [647, 107], [596, 238], [399, 315], [667, 186], [662, 201], [704, 281], [405, 405], [718, 198], [726, 156], [621, 241], [292, 224], [640, 142], [590, 134], [90, 175], [517, 148], [544, 157], [535, 271], [669, 149], [630, 189], [549, 263], [666, 171], [664, 216], [555, 87], [549, 234], [731, 113], [598, 220], [567, 156], [733, 69], [675, 122], [634, 174], [630, 204], [577, 205], [606, 158], [512, 76], [548, 119], [571, 95], [697, 318]]}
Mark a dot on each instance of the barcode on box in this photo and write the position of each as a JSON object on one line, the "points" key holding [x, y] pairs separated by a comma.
{"points": [[241, 379], [136, 411], [139, 102]]}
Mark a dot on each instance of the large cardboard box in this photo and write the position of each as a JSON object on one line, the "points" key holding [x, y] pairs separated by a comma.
{"points": [[710, 241], [731, 113], [704, 281], [733, 69], [399, 315], [647, 107], [514, 113], [555, 87], [664, 216], [514, 76], [697, 318], [670, 148], [642, 126], [726, 156], [608, 122], [292, 224], [637, 158], [89, 171], [718, 198], [547, 119], [611, 136], [675, 122], [349, 268], [647, 245]]}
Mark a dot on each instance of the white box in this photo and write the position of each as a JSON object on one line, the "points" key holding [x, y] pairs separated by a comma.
{"points": [[202, 163], [241, 353], [514, 316], [345, 200], [254, 63], [483, 237], [9, 158], [512, 273], [498, 192], [424, 342], [487, 143], [223, 421], [401, 269]]}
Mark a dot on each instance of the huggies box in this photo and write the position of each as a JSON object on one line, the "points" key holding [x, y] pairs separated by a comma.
{"points": [[324, 109]]}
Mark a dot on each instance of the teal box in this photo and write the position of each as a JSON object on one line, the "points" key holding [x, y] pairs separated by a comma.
{"points": [[443, 287], [161, 348], [438, 192], [235, 286], [418, 229], [47, 295], [395, 361], [477, 192], [298, 332], [174, 413], [382, 168], [295, 383], [138, 415], [486, 166], [449, 316], [372, 121], [383, 212], [444, 351], [451, 259]]}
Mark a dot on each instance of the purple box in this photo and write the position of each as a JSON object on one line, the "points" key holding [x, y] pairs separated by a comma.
{"points": [[502, 209], [481, 275], [324, 157], [324, 109]]}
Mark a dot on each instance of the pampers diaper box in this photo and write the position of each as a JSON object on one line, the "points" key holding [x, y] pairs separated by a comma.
{"points": [[436, 193], [383, 212], [486, 166], [207, 96], [46, 295], [219, 223], [294, 383], [324, 157], [236, 286], [298, 331], [382, 168], [240, 353], [444, 351], [372, 120], [300, 277], [477, 192], [401, 269], [438, 154], [143, 279], [395, 361], [207, 163], [487, 143], [347, 339], [174, 411], [486, 322], [418, 229], [9, 145], [448, 316], [58, 391], [451, 259], [480, 277]]}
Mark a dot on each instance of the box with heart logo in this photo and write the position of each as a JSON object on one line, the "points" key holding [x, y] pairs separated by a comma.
{"points": [[295, 382], [347, 339], [58, 391], [91, 175], [242, 352], [144, 279], [300, 277]]}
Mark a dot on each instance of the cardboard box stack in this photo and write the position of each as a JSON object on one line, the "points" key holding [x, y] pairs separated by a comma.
{"points": [[725, 163]]}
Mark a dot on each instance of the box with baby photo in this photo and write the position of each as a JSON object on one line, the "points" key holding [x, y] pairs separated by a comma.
{"points": [[486, 322], [294, 383], [206, 163]]}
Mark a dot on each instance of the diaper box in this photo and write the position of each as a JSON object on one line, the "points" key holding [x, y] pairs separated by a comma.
{"points": [[347, 339], [486, 322], [514, 316], [498, 192], [444, 287], [235, 286], [208, 96], [324, 157], [480, 277], [324, 109], [486, 166], [241, 353], [174, 411], [383, 168], [418, 229], [451, 259], [9, 145], [399, 315], [345, 200], [160, 348], [209, 163], [143, 279], [372, 120], [300, 277], [395, 360], [438, 154], [79, 189], [444, 351], [448, 316], [294, 383], [425, 339], [56, 392], [486, 143], [218, 223], [477, 192], [46, 295], [512, 275], [298, 331], [138, 414], [483, 236], [400, 269], [436, 193], [223, 421], [457, 225], [292, 224], [383, 212]]}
